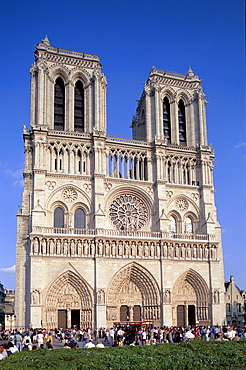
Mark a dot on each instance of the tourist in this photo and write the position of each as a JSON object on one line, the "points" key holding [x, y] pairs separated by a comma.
{"points": [[90, 344], [3, 352], [100, 344]]}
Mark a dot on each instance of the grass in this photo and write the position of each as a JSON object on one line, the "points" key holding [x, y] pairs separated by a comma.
{"points": [[193, 355]]}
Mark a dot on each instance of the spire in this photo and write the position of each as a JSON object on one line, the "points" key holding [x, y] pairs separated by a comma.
{"points": [[46, 41], [190, 73]]}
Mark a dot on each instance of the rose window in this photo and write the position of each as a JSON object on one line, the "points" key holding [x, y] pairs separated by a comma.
{"points": [[182, 204], [128, 212], [69, 194]]}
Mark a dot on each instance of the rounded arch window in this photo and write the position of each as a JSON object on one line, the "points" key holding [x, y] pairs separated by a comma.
{"points": [[79, 219], [172, 225], [188, 225], [59, 217]]}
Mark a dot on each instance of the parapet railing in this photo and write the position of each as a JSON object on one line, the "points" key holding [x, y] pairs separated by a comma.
{"points": [[120, 233]]}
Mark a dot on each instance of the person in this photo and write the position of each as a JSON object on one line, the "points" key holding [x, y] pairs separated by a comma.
{"points": [[18, 341], [100, 344], [90, 344], [3, 352], [236, 338], [12, 347], [40, 338], [27, 345]]}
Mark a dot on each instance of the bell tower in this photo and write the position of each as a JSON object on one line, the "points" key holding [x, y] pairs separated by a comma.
{"points": [[111, 229]]}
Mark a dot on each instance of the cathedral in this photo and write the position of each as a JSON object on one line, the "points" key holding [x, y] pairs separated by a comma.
{"points": [[110, 229]]}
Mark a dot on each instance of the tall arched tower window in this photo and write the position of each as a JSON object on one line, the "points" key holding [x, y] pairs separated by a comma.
{"points": [[59, 104], [59, 217], [182, 122], [166, 119], [79, 107], [79, 219]]}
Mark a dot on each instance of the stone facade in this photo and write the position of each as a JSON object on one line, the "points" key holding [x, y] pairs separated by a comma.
{"points": [[113, 229], [235, 300]]}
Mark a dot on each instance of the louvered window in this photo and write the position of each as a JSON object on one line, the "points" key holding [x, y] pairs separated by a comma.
{"points": [[166, 120], [182, 122], [79, 107], [59, 105]]}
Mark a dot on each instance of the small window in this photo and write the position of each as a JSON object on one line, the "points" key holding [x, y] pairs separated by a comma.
{"points": [[182, 122], [59, 104], [59, 217], [79, 107], [228, 307], [79, 219]]}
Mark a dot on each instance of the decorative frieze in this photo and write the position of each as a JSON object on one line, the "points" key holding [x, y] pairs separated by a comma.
{"points": [[67, 247]]}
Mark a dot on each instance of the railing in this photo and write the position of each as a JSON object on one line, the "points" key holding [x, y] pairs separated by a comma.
{"points": [[119, 233]]}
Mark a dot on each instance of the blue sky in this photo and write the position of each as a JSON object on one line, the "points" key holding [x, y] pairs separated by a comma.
{"points": [[130, 37]]}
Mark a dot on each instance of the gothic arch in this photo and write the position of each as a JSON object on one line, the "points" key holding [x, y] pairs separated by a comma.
{"points": [[191, 288], [169, 93], [69, 291], [183, 95], [145, 285], [192, 207], [58, 71], [81, 75], [53, 196]]}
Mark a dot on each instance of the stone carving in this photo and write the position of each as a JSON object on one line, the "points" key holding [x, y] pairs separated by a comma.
{"points": [[51, 184], [108, 186], [216, 296], [52, 246], [128, 212], [79, 246], [35, 297], [101, 296], [182, 204], [169, 194], [35, 246], [43, 246], [69, 194], [194, 196], [58, 247], [92, 248], [87, 187], [167, 296]]}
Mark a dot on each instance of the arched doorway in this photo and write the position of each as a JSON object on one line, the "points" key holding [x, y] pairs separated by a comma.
{"points": [[69, 302], [133, 295], [190, 300]]}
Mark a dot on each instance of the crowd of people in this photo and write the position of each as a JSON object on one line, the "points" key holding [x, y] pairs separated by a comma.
{"points": [[33, 339]]}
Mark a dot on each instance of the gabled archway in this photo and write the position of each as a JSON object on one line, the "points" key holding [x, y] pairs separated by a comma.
{"points": [[190, 299], [135, 287], [68, 293]]}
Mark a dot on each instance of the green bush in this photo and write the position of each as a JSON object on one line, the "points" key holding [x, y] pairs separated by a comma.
{"points": [[193, 355]]}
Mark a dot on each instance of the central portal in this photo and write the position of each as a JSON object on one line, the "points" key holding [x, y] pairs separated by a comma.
{"points": [[75, 318]]}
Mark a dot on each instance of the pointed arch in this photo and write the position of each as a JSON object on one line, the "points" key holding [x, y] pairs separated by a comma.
{"points": [[192, 288], [69, 290], [145, 286]]}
